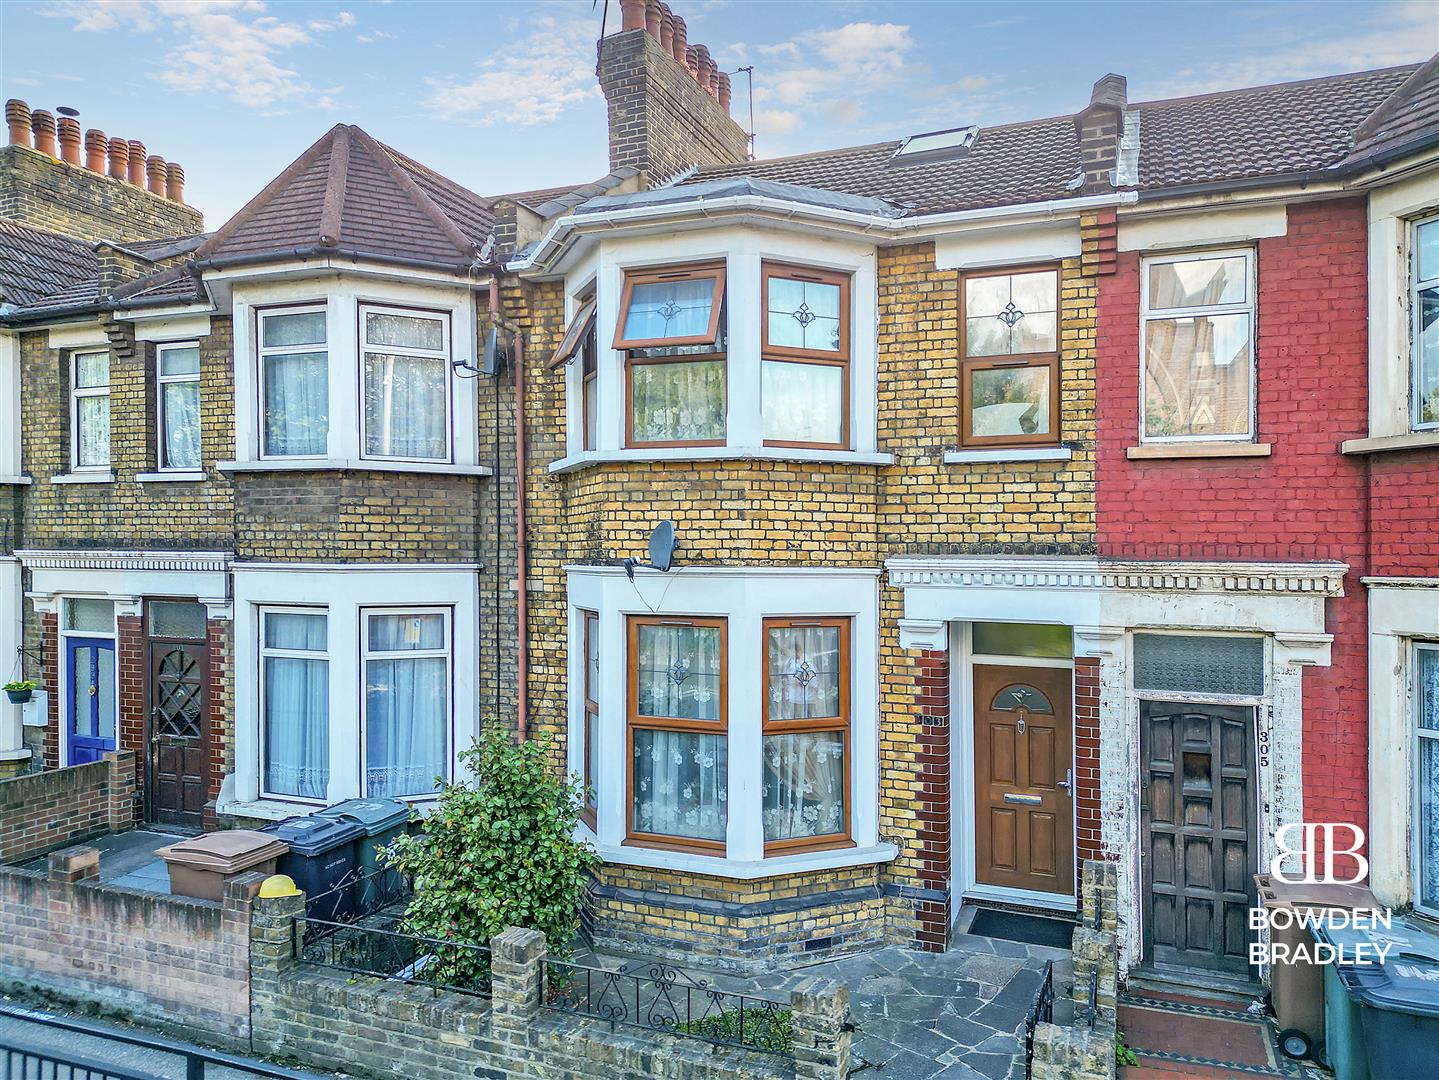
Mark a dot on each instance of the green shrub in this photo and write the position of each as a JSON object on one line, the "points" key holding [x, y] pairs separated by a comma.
{"points": [[496, 852]]}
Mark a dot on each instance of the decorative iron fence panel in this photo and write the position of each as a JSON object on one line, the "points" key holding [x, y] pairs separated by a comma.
{"points": [[388, 953], [362, 895], [664, 998], [1040, 1012]]}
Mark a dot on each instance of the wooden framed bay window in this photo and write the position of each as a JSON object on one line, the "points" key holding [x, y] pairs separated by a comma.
{"points": [[590, 775], [671, 325], [677, 782], [1009, 350], [806, 734], [805, 355]]}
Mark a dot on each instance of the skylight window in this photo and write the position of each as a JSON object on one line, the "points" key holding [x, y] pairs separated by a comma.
{"points": [[935, 145]]}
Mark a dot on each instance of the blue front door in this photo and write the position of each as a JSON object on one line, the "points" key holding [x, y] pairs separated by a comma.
{"points": [[90, 672]]}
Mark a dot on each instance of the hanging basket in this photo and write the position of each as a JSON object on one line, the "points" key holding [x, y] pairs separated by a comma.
{"points": [[19, 697]]}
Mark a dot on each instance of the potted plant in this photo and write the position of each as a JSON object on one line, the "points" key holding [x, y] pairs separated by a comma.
{"points": [[19, 692]]}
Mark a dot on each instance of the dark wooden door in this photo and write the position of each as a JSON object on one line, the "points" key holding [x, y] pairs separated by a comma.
{"points": [[179, 774], [1023, 754], [1197, 823]]}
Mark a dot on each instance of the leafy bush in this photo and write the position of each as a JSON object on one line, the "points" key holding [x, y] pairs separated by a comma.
{"points": [[494, 853]]}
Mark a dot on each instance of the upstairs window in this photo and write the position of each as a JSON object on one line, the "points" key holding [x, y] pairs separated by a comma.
{"points": [[177, 369], [672, 325], [1009, 371], [406, 364], [1198, 344], [90, 410], [579, 343], [805, 356], [1424, 302], [294, 382]]}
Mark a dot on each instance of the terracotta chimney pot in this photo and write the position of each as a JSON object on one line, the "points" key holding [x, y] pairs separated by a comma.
{"points": [[692, 61], [42, 123], [69, 131], [632, 14], [652, 18], [724, 90], [119, 158], [137, 163], [155, 172], [704, 68], [95, 147], [174, 183], [681, 39], [17, 116], [667, 29]]}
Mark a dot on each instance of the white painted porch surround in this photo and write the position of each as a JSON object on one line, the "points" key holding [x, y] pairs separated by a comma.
{"points": [[1105, 601]]}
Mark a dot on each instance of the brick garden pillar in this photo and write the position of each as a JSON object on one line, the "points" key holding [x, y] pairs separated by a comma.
{"points": [[276, 923], [517, 967], [74, 864], [933, 798], [819, 1008]]}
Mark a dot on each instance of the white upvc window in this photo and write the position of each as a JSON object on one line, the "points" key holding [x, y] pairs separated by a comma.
{"points": [[1197, 333], [177, 406], [294, 381], [294, 696], [405, 362], [1425, 695], [1424, 305], [405, 711], [89, 411]]}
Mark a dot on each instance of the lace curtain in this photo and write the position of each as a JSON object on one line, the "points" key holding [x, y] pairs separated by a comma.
{"points": [[405, 706], [296, 720], [405, 410], [1426, 699], [678, 402]]}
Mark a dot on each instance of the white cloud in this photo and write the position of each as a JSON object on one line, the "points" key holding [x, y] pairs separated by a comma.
{"points": [[371, 37], [531, 81], [229, 47], [1398, 33]]}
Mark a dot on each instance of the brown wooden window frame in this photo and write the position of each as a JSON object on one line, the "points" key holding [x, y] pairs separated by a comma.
{"points": [[589, 377], [634, 721], [817, 357], [590, 720], [843, 724], [970, 364]]}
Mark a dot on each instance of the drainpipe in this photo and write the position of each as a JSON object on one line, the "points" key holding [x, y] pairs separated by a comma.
{"points": [[521, 547]]}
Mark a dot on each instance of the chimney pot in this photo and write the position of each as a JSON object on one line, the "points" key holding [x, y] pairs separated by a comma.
{"points": [[632, 14], [119, 158], [704, 68], [137, 163], [42, 123], [692, 61], [69, 131], [17, 116], [174, 183], [681, 40], [667, 29], [95, 147], [155, 172], [724, 90], [652, 18]]}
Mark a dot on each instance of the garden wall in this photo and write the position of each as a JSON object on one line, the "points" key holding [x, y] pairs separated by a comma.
{"points": [[43, 811]]}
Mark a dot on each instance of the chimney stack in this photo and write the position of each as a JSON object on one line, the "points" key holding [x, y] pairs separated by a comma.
{"points": [[95, 148], [1100, 127], [137, 163], [42, 123], [155, 173], [174, 183], [17, 116], [119, 158], [69, 132]]}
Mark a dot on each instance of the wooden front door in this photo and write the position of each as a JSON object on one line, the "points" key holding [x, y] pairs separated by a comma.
{"points": [[90, 713], [1197, 821], [179, 772], [1023, 754]]}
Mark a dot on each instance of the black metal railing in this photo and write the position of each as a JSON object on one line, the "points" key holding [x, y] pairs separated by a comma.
{"points": [[51, 1064], [361, 895], [1041, 1011], [387, 952], [660, 997], [1093, 1010]]}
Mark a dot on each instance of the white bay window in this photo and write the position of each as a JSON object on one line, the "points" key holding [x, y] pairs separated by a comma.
{"points": [[294, 382], [406, 384], [407, 697]]}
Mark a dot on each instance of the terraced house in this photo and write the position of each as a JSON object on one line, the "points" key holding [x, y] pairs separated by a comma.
{"points": [[877, 532]]}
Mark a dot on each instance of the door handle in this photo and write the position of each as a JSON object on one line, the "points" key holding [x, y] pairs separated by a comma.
{"points": [[1067, 782]]}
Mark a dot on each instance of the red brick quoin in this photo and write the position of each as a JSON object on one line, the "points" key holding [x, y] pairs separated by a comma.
{"points": [[932, 697]]}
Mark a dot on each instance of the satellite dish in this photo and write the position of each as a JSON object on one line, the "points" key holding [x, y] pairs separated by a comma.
{"points": [[495, 354], [662, 550]]}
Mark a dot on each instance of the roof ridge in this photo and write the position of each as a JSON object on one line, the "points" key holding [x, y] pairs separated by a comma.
{"points": [[332, 209], [442, 221], [1237, 90], [1390, 105]]}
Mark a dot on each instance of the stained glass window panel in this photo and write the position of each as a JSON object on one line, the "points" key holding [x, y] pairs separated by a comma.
{"points": [[659, 310], [805, 672], [1011, 314], [678, 672], [803, 792], [1183, 664], [804, 314]]}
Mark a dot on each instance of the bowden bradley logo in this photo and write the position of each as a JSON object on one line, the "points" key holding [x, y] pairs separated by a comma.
{"points": [[1308, 851]]}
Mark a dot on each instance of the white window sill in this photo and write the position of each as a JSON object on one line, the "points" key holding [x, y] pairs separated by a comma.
{"points": [[1013, 453], [14, 755], [588, 458], [100, 476], [1167, 451], [178, 476], [717, 866], [1419, 440], [352, 465], [6, 478]]}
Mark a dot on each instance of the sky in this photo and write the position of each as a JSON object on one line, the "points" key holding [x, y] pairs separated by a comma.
{"points": [[501, 95]]}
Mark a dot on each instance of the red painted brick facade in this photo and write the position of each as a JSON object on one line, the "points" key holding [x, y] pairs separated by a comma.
{"points": [[1404, 514], [932, 699], [130, 642], [50, 637], [1086, 762], [1306, 502]]}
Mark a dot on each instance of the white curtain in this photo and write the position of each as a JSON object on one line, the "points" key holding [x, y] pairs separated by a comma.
{"points": [[296, 717], [679, 784], [405, 706], [679, 402], [803, 785], [93, 420], [182, 425], [297, 404], [1426, 697], [405, 413]]}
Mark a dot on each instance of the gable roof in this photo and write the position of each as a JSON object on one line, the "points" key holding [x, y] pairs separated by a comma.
{"points": [[351, 195], [35, 264]]}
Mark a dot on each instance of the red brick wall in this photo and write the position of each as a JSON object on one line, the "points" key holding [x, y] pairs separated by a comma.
{"points": [[46, 810], [1404, 514], [1306, 502], [50, 642], [932, 698], [221, 718], [130, 655], [1086, 761]]}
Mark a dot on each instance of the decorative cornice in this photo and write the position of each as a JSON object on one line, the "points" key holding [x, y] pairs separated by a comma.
{"points": [[931, 635], [1400, 582], [1320, 579], [198, 561]]}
